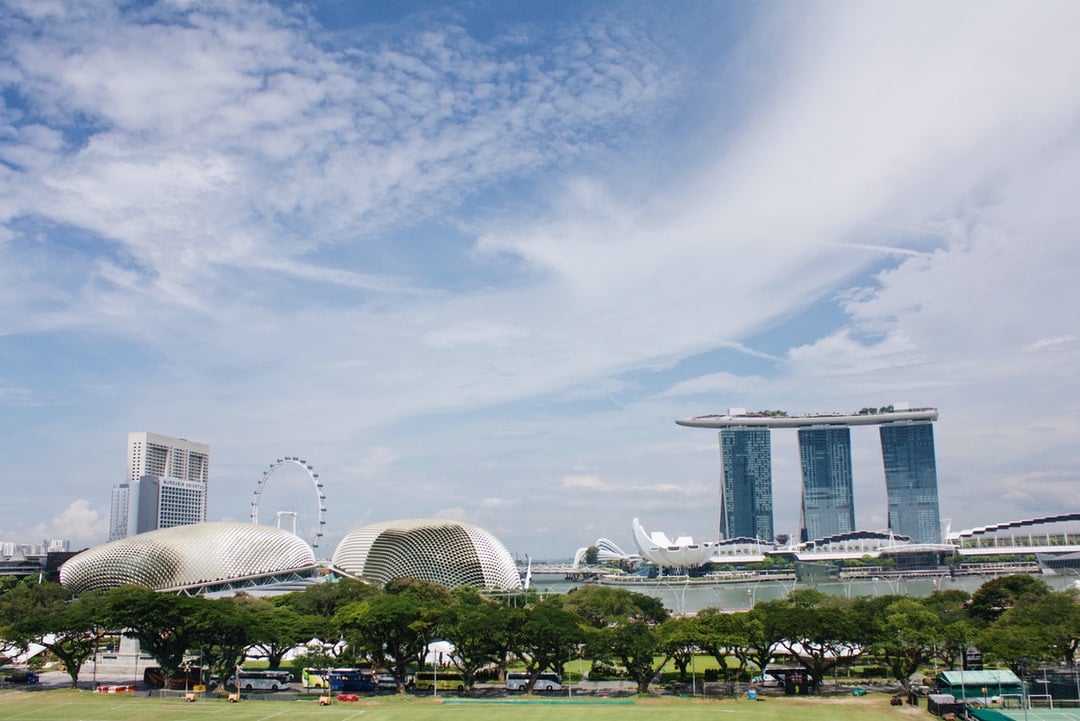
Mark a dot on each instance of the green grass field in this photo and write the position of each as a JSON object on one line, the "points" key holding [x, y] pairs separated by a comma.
{"points": [[68, 705]]}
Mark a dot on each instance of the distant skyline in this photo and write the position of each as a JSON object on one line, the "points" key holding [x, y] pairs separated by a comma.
{"points": [[472, 260]]}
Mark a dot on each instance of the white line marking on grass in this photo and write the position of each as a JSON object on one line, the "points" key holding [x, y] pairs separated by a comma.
{"points": [[264, 718], [354, 714], [38, 711]]}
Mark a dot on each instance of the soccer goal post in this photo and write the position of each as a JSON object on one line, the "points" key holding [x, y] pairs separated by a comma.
{"points": [[1012, 700], [1041, 700]]}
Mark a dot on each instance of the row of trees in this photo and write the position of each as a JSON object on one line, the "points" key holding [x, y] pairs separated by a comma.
{"points": [[1014, 620]]}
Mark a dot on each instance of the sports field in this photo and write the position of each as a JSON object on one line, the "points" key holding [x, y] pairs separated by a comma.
{"points": [[68, 705], [1042, 714]]}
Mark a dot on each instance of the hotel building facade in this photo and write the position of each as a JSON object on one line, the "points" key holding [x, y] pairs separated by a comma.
{"points": [[166, 485], [828, 500]]}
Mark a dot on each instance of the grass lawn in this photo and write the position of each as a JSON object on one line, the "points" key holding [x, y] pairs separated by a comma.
{"points": [[70, 705]]}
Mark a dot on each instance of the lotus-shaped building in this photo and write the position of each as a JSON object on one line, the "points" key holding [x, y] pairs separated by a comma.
{"points": [[196, 558], [449, 553], [683, 552]]}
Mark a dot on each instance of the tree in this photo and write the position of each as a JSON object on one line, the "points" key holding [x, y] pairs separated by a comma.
{"points": [[592, 556], [599, 606], [165, 625], [727, 634], [635, 644], [998, 595], [477, 627], [1060, 615], [396, 626], [950, 605], [958, 635], [1044, 628], [326, 599], [622, 624], [1016, 646], [546, 634], [46, 614], [680, 638], [223, 629], [278, 629], [764, 631], [819, 631], [909, 636]]}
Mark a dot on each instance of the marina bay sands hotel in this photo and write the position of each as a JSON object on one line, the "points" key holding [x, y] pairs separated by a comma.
{"points": [[828, 503]]}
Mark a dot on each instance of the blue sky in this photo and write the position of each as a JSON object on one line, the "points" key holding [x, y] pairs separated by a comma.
{"points": [[472, 260]]}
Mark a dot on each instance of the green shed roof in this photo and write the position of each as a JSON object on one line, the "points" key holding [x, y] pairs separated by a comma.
{"points": [[993, 677]]}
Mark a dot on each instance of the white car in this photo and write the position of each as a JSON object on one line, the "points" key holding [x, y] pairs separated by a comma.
{"points": [[767, 681]]}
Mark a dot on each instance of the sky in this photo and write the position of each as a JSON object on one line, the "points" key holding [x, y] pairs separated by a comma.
{"points": [[472, 260]]}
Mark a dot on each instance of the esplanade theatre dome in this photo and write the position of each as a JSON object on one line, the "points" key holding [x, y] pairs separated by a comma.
{"points": [[202, 557], [449, 553]]}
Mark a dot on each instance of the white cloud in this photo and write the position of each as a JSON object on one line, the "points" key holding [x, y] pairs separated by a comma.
{"points": [[378, 461], [589, 481], [79, 523], [1050, 345], [716, 383]]}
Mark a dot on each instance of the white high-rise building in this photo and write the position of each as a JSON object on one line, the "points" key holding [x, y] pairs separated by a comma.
{"points": [[150, 454], [118, 511], [166, 485]]}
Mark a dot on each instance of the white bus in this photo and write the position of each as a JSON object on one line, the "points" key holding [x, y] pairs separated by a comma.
{"points": [[260, 680], [547, 681]]}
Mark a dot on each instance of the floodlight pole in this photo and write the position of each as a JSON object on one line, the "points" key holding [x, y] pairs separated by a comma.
{"points": [[97, 643], [1023, 688], [569, 675], [963, 662]]}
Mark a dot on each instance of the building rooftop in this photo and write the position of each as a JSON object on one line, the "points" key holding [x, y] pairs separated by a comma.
{"points": [[738, 418]]}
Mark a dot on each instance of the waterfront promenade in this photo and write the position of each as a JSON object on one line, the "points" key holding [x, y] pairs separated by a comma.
{"points": [[688, 596]]}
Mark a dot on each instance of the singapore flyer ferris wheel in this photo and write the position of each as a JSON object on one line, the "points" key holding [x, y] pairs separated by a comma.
{"points": [[287, 488]]}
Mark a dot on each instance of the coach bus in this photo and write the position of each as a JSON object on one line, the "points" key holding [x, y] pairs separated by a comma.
{"points": [[441, 680], [260, 680], [546, 681], [352, 680]]}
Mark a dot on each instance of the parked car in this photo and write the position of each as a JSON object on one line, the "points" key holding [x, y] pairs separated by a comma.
{"points": [[767, 681], [23, 676]]}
